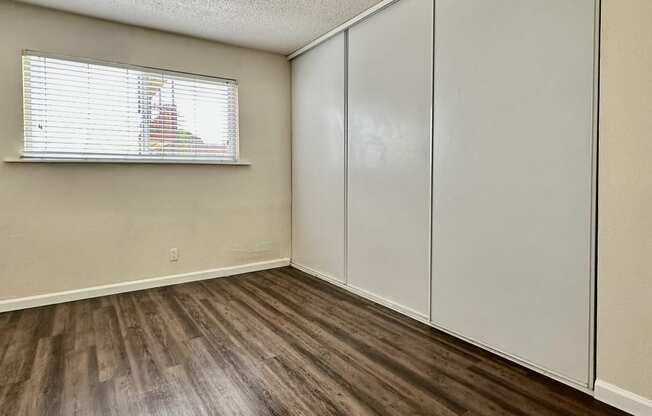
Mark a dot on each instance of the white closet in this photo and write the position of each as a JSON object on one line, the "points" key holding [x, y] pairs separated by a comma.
{"points": [[390, 96], [513, 163], [470, 207], [318, 159]]}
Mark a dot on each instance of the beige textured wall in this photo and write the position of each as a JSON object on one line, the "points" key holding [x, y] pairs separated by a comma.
{"points": [[66, 227], [624, 350]]}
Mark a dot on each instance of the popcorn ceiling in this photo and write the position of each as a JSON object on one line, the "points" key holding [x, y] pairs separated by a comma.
{"points": [[280, 26]]}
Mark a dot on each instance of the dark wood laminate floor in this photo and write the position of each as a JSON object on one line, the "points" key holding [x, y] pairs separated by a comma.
{"points": [[269, 343]]}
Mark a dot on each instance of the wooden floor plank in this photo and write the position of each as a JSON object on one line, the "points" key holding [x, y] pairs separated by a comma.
{"points": [[276, 342]]}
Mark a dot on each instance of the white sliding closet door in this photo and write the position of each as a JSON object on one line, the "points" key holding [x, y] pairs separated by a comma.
{"points": [[390, 93], [513, 163], [318, 159]]}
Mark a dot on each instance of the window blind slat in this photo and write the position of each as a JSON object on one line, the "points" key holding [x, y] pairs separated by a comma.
{"points": [[106, 69], [122, 89], [76, 95], [171, 156], [124, 143], [77, 130], [84, 109]]}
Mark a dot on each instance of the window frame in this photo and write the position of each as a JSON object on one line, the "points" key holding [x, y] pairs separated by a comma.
{"points": [[108, 159]]}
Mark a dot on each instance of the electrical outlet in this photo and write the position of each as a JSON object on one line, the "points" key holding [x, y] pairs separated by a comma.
{"points": [[174, 254]]}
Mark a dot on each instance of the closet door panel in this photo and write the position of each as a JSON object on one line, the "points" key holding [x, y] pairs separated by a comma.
{"points": [[390, 95], [513, 154], [318, 159]]}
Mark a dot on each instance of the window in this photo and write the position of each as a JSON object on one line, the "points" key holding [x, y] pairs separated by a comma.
{"points": [[82, 109]]}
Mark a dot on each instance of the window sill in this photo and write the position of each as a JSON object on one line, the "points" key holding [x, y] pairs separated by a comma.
{"points": [[128, 161]]}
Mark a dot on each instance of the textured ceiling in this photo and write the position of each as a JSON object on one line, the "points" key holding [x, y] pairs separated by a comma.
{"points": [[274, 25]]}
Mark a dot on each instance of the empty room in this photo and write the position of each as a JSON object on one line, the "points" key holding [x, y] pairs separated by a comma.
{"points": [[326, 207]]}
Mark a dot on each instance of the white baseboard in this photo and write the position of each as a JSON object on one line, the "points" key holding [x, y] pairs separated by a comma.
{"points": [[365, 294], [622, 399], [320, 275], [389, 304], [95, 291]]}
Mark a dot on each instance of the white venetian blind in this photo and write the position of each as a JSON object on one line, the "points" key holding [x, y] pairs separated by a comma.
{"points": [[77, 109]]}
